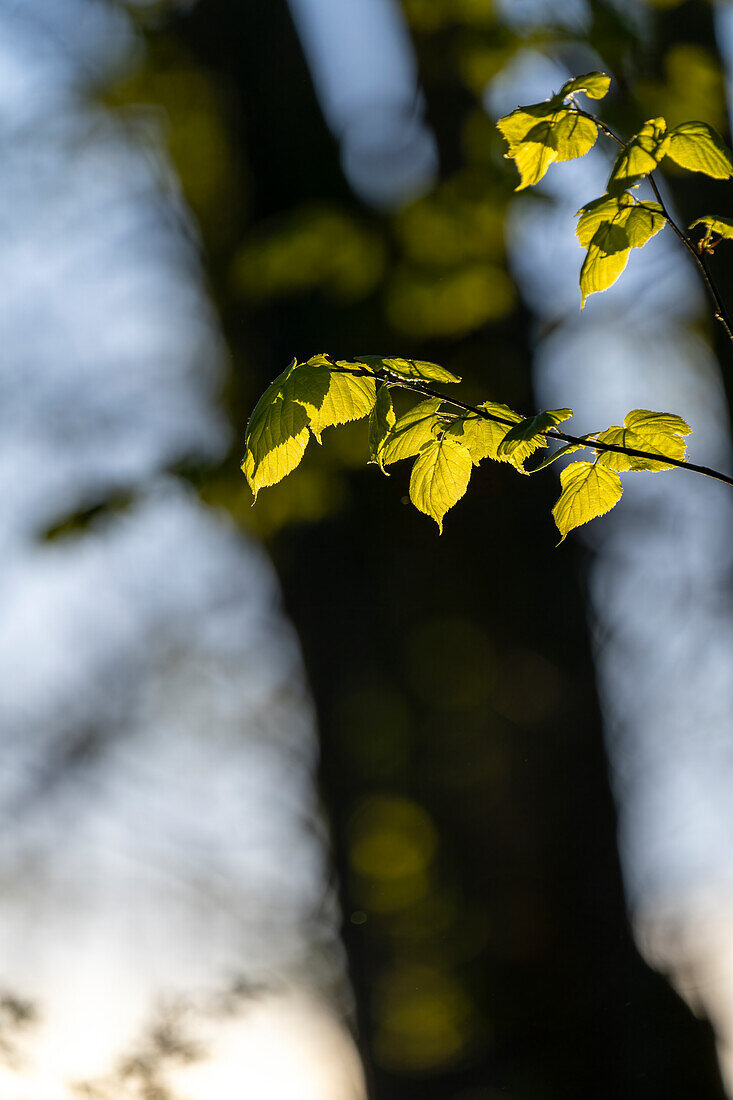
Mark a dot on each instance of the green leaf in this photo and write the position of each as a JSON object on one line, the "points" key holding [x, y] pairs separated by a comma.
{"points": [[348, 397], [440, 477], [529, 430], [542, 133], [277, 431], [606, 258], [382, 418], [608, 227], [639, 220], [588, 490], [643, 221], [410, 432], [608, 208], [409, 368], [723, 227], [643, 430], [696, 146], [482, 436], [640, 156], [594, 85]]}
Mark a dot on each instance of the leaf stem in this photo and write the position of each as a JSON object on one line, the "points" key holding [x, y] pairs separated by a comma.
{"points": [[385, 375], [721, 313]]}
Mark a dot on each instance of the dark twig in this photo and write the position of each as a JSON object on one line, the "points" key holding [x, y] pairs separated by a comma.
{"points": [[385, 375]]}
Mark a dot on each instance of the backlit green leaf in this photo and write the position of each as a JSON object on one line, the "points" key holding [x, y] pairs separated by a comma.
{"points": [[608, 227], [542, 133], [529, 430], [696, 146], [608, 208], [382, 418], [588, 490], [440, 477], [348, 397], [643, 430], [606, 258], [639, 220], [640, 156], [277, 432], [722, 227], [410, 432], [594, 85], [643, 221], [409, 368], [482, 436]]}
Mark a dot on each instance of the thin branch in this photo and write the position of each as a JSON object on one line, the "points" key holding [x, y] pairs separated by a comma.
{"points": [[721, 313], [385, 375]]}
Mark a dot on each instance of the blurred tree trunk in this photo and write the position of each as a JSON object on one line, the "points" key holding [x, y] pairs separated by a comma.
{"points": [[549, 995]]}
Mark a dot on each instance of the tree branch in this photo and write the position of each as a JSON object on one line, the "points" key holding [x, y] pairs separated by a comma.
{"points": [[385, 375], [721, 313]]}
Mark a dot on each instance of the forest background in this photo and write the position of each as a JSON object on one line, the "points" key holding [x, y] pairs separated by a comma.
{"points": [[523, 815]]}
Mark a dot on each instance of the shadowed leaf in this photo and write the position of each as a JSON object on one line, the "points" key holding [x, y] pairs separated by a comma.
{"points": [[594, 85], [639, 157], [542, 133], [529, 430], [409, 368], [277, 433], [410, 432], [722, 227], [381, 420], [608, 227]]}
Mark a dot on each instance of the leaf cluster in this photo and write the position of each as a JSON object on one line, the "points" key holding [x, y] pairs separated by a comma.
{"points": [[444, 437], [610, 226]]}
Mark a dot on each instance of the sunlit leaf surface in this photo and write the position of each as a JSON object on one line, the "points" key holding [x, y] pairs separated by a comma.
{"points": [[440, 477], [696, 146], [540, 134], [658, 433], [588, 491], [410, 432], [640, 156]]}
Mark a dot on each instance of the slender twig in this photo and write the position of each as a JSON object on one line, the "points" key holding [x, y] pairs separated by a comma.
{"points": [[721, 313], [385, 375]]}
